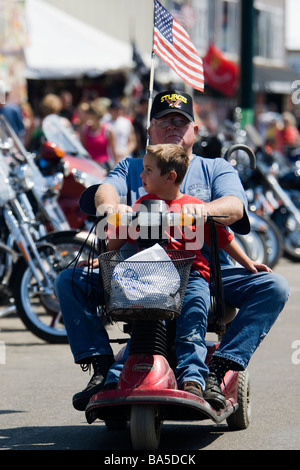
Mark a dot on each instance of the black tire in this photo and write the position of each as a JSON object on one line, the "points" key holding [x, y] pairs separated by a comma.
{"points": [[145, 425], [255, 246], [274, 242], [241, 418], [290, 232], [40, 312]]}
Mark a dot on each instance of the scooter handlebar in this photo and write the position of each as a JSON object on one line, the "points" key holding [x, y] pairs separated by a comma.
{"points": [[157, 218], [152, 218]]}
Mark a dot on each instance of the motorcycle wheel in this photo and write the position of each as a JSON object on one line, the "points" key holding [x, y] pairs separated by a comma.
{"points": [[254, 246], [290, 231], [40, 312], [274, 242], [145, 424]]}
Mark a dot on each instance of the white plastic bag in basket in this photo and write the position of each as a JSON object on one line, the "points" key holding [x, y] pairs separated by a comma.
{"points": [[146, 287]]}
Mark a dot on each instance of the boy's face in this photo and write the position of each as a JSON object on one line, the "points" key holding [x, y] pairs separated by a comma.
{"points": [[152, 180]]}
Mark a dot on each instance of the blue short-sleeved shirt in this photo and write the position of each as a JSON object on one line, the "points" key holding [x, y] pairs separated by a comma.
{"points": [[207, 179]]}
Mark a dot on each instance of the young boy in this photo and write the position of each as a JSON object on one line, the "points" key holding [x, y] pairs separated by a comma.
{"points": [[164, 169]]}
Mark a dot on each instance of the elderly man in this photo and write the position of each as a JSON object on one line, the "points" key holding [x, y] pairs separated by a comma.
{"points": [[260, 297]]}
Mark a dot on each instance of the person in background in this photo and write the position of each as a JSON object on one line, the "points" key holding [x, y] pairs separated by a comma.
{"points": [[67, 109], [140, 127], [97, 136], [288, 136], [13, 114], [50, 104], [123, 130]]}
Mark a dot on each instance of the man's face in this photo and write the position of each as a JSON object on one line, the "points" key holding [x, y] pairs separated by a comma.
{"points": [[173, 128]]}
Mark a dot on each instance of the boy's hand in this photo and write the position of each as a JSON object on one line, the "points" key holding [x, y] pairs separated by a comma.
{"points": [[255, 267], [94, 263]]}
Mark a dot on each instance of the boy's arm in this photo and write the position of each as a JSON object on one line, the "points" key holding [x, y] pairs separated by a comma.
{"points": [[234, 250]]}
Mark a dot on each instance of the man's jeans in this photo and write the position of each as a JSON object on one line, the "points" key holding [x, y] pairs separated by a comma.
{"points": [[259, 297]]}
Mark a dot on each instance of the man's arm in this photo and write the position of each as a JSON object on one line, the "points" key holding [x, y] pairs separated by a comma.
{"points": [[230, 206], [107, 200]]}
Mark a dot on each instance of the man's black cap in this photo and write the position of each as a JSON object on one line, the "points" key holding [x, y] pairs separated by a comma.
{"points": [[172, 102]]}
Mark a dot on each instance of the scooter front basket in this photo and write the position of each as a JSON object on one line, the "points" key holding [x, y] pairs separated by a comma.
{"points": [[144, 290]]}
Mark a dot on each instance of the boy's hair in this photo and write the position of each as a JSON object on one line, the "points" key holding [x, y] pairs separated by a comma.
{"points": [[170, 157]]}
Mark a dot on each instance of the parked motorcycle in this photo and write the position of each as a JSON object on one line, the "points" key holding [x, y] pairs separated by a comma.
{"points": [[31, 253], [64, 152], [268, 198]]}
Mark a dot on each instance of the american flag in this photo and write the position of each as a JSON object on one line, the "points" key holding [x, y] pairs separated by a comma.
{"points": [[173, 45]]}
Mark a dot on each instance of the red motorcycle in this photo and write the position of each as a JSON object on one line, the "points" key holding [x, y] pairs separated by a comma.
{"points": [[63, 152]]}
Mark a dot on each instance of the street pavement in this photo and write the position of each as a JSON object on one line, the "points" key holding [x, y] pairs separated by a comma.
{"points": [[38, 380]]}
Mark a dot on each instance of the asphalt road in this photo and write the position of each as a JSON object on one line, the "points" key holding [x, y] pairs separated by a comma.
{"points": [[38, 380]]}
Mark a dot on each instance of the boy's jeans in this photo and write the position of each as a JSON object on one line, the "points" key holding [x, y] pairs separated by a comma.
{"points": [[259, 297]]}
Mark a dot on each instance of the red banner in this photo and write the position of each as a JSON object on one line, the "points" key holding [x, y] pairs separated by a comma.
{"points": [[220, 73]]}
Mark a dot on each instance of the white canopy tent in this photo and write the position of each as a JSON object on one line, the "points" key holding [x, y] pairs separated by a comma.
{"points": [[61, 46]]}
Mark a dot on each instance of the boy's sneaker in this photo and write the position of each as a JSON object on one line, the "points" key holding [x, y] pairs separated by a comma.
{"points": [[192, 387]]}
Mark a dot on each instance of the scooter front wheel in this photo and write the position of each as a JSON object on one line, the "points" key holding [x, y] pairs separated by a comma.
{"points": [[145, 424], [241, 418]]}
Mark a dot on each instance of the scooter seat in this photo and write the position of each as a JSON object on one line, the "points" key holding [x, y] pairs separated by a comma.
{"points": [[229, 314]]}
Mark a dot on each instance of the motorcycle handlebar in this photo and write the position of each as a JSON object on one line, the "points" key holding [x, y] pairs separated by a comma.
{"points": [[246, 149]]}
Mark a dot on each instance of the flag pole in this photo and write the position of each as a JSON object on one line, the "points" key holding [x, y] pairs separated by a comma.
{"points": [[151, 79], [151, 84]]}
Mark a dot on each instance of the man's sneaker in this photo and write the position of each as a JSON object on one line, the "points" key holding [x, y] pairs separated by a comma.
{"points": [[101, 365], [192, 387], [213, 394], [218, 367]]}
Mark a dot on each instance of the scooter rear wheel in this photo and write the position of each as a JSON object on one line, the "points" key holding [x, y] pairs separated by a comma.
{"points": [[145, 424], [241, 418]]}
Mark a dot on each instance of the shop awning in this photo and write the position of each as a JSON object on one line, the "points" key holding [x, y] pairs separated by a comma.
{"points": [[61, 46], [274, 79]]}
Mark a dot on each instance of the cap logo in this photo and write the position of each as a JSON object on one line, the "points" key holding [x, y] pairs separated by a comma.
{"points": [[174, 100]]}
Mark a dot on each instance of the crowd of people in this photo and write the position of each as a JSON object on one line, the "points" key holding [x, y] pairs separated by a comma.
{"points": [[113, 129]]}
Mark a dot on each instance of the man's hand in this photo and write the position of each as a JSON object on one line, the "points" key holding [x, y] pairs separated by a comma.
{"points": [[199, 210], [107, 201], [105, 209]]}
